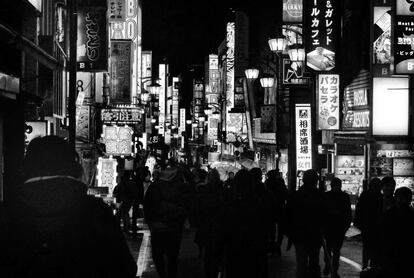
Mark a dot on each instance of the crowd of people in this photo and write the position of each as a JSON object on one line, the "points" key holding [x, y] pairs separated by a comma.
{"points": [[54, 229]]}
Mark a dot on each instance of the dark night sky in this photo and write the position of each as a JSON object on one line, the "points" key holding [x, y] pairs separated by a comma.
{"points": [[184, 31]]}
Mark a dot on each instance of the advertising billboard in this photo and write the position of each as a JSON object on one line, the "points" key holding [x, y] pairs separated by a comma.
{"points": [[292, 10], [381, 40], [390, 107], [328, 102], [303, 137], [92, 42], [322, 28], [120, 73], [404, 38]]}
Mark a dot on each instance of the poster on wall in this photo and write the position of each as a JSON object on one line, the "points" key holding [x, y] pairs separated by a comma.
{"points": [[120, 74], [303, 137], [292, 10], [404, 38], [328, 102], [92, 42], [390, 107], [323, 26], [381, 40]]}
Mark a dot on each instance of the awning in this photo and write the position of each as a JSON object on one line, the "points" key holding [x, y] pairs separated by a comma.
{"points": [[9, 36]]}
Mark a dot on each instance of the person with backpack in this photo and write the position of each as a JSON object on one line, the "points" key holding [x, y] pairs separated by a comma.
{"points": [[53, 228]]}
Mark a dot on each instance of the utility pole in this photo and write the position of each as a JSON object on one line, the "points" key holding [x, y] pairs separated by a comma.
{"points": [[73, 29]]}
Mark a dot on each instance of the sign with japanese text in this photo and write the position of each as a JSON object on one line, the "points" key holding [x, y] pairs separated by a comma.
{"points": [[355, 109], [175, 105], [117, 10], [292, 10], [118, 140], [124, 115], [146, 69], [303, 137], [212, 128], [328, 102], [239, 93], [120, 73], [182, 120], [404, 38], [107, 173], [293, 73], [230, 40], [322, 27], [381, 40], [198, 96], [92, 42], [163, 70]]}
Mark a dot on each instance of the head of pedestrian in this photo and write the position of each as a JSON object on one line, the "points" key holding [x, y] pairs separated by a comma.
{"points": [[375, 185], [231, 175], [388, 186], [403, 197], [310, 179], [336, 185], [51, 156], [256, 174], [243, 184]]}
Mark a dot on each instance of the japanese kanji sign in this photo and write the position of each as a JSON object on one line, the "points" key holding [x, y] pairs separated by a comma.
{"points": [[381, 39], [117, 10], [118, 140], [303, 137], [322, 27], [107, 173], [404, 38], [125, 115], [328, 102], [120, 73]]}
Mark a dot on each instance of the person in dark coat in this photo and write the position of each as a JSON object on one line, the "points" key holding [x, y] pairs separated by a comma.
{"points": [[53, 228], [397, 229], [166, 206], [241, 232], [275, 184], [367, 218], [305, 215], [338, 219]]}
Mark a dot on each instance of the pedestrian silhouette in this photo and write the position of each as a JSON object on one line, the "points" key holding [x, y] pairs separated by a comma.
{"points": [[53, 228], [305, 215]]}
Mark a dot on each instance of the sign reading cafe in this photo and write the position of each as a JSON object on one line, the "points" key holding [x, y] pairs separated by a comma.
{"points": [[322, 25], [328, 102], [303, 137]]}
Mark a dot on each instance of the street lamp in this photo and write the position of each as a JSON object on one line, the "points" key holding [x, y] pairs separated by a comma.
{"points": [[277, 45]]}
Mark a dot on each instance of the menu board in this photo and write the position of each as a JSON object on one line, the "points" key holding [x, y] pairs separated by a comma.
{"points": [[351, 170], [403, 167]]}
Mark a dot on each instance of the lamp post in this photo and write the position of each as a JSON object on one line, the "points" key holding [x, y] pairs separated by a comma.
{"points": [[251, 75]]}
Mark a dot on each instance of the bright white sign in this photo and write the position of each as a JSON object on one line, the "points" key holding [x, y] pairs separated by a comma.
{"points": [[162, 95], [390, 106], [328, 102], [118, 140], [107, 173], [303, 137], [182, 120]]}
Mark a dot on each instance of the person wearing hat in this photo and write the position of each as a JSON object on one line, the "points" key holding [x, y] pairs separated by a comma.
{"points": [[53, 228]]}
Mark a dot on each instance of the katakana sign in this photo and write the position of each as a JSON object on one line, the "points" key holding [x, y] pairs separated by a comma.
{"points": [[404, 38], [126, 115], [117, 10], [328, 102], [322, 27], [303, 137]]}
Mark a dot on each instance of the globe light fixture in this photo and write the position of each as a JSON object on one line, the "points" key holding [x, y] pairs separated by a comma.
{"points": [[277, 45], [251, 73], [189, 122], [154, 88], [267, 82]]}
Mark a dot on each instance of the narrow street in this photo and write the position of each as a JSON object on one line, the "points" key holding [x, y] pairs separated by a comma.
{"points": [[191, 266]]}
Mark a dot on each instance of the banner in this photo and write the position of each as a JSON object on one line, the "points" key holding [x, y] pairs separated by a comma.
{"points": [[404, 38], [120, 74], [92, 43], [381, 41], [322, 28], [303, 137], [292, 10], [328, 102]]}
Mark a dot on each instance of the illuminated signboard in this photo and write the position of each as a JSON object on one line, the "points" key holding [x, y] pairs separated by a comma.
{"points": [[212, 127], [92, 42], [118, 140], [117, 10], [175, 99], [234, 125], [355, 109], [390, 107], [323, 28], [146, 69], [292, 10], [293, 73], [124, 115], [259, 136], [120, 74], [230, 39], [107, 173], [163, 69], [381, 40], [328, 102], [404, 38], [303, 137], [128, 30], [182, 119]]}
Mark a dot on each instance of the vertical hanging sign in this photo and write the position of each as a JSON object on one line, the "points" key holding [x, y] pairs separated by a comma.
{"points": [[328, 102], [120, 72], [92, 43], [117, 10], [303, 137], [404, 37], [381, 38], [162, 94], [322, 27], [230, 65]]}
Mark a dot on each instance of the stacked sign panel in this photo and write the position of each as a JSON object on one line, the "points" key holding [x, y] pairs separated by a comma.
{"points": [[303, 137], [328, 102]]}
